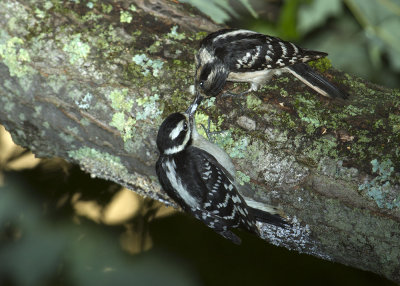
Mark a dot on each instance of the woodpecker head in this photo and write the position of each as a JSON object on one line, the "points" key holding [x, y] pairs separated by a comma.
{"points": [[210, 75], [175, 132]]}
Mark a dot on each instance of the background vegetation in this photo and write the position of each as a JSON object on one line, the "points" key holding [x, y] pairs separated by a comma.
{"points": [[361, 37]]}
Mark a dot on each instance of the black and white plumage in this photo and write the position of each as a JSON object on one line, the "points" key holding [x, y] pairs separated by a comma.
{"points": [[248, 56], [198, 176]]}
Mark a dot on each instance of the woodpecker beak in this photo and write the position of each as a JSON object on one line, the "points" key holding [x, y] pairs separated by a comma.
{"points": [[192, 108]]}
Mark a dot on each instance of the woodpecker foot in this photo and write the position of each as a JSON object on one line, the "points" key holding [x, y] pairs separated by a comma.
{"points": [[235, 95]]}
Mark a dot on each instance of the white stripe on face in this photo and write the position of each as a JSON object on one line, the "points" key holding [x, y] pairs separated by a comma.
{"points": [[174, 134], [177, 130]]}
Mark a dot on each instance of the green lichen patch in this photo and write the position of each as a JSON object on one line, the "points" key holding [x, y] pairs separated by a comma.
{"points": [[237, 148], [8, 105], [177, 102], [91, 153], [242, 178], [66, 137], [107, 41], [39, 13], [285, 119], [125, 17], [359, 128], [84, 101], [321, 65], [313, 115], [253, 102], [106, 8], [76, 49], [394, 121], [148, 65], [150, 107], [175, 35], [124, 124], [202, 122], [200, 35], [155, 47], [178, 98], [271, 165], [100, 160], [15, 57], [234, 145], [121, 119], [19, 21], [132, 8], [325, 146], [120, 100], [384, 188]]}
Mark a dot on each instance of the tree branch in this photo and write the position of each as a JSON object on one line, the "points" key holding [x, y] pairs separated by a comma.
{"points": [[92, 85]]}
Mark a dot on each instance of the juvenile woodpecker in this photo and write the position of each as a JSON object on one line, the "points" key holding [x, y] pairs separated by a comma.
{"points": [[247, 56], [199, 177]]}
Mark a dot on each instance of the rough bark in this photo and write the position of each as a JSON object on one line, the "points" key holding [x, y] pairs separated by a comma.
{"points": [[92, 84]]}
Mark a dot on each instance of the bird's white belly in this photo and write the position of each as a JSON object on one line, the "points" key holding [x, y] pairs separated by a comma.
{"points": [[256, 78]]}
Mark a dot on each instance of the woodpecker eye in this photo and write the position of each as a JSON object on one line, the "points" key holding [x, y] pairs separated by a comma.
{"points": [[185, 127], [201, 84]]}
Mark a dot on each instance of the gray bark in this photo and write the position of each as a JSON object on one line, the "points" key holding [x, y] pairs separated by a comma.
{"points": [[92, 85]]}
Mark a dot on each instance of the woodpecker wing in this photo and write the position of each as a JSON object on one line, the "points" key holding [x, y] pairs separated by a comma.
{"points": [[220, 199], [188, 183], [244, 50]]}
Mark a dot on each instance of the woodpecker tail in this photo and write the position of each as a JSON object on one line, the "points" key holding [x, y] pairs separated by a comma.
{"points": [[316, 81], [231, 236], [267, 217]]}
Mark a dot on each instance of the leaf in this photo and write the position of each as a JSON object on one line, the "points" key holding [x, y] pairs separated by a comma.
{"points": [[287, 20], [248, 6], [345, 45], [380, 21], [390, 33], [220, 11], [315, 14], [217, 10]]}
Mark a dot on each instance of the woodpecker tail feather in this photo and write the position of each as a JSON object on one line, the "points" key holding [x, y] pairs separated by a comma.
{"points": [[231, 236], [316, 81], [267, 217]]}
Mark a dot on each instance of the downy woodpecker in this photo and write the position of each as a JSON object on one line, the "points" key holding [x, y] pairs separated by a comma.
{"points": [[199, 177], [247, 56]]}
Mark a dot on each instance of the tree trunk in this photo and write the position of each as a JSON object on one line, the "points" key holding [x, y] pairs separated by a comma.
{"points": [[92, 85]]}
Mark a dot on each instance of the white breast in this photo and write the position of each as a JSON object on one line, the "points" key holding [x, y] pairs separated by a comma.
{"points": [[219, 154]]}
